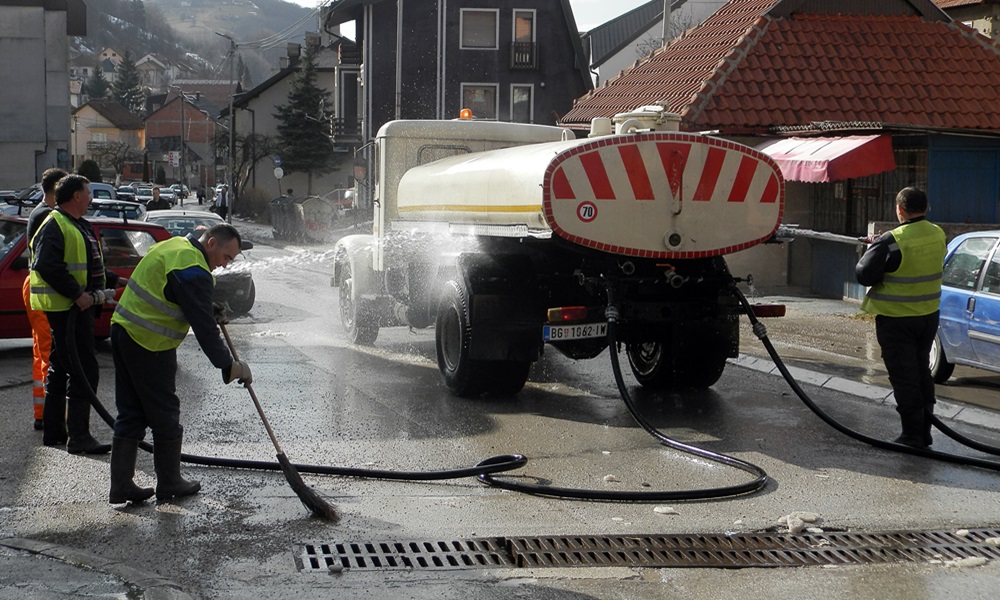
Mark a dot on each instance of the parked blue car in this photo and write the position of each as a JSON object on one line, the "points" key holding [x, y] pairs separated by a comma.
{"points": [[969, 332]]}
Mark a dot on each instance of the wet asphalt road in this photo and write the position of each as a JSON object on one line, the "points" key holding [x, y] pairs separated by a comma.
{"points": [[383, 407]]}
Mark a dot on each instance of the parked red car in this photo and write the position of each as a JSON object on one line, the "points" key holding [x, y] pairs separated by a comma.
{"points": [[123, 242]]}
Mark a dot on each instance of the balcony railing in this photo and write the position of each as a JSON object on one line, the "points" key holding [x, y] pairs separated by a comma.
{"points": [[523, 55], [346, 131]]}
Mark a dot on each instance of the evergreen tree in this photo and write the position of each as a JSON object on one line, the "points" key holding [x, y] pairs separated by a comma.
{"points": [[90, 169], [304, 123], [127, 88], [97, 86]]}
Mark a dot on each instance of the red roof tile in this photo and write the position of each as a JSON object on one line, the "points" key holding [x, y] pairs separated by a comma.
{"points": [[744, 70]]}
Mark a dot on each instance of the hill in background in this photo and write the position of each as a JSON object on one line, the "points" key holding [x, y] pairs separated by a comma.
{"points": [[178, 29]]}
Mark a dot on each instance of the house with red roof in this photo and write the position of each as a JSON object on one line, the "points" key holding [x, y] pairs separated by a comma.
{"points": [[854, 99]]}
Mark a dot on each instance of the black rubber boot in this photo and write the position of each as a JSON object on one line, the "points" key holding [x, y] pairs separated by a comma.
{"points": [[54, 421], [78, 424], [928, 425], [167, 463], [915, 431], [123, 489]]}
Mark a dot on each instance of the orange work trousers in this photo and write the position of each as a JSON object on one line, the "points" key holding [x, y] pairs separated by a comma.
{"points": [[41, 345]]}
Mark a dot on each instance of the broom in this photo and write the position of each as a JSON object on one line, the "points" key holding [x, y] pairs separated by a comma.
{"points": [[310, 499]]}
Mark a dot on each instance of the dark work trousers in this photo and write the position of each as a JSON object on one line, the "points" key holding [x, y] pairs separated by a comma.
{"points": [[906, 347], [145, 391], [63, 382]]}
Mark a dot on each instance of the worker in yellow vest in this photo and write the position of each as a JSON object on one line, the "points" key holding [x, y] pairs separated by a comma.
{"points": [[170, 291], [903, 268], [67, 270], [41, 336]]}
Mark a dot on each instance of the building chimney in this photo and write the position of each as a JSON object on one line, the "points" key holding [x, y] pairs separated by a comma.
{"points": [[312, 38]]}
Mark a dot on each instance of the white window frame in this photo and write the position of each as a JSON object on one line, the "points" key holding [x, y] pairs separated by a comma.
{"points": [[534, 24], [496, 98], [496, 32], [531, 101]]}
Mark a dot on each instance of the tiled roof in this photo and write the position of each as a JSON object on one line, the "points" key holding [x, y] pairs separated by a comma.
{"points": [[956, 3], [115, 113], [743, 70]]}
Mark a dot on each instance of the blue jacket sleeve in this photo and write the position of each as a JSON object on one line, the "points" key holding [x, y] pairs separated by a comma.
{"points": [[882, 257], [192, 289]]}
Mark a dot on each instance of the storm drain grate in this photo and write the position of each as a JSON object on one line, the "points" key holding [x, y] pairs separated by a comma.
{"points": [[478, 553], [737, 550]]}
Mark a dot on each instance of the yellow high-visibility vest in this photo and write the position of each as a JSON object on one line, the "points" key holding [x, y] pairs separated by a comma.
{"points": [[151, 320], [914, 289], [43, 297]]}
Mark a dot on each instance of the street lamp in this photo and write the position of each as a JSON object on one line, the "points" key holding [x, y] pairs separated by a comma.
{"points": [[232, 126]]}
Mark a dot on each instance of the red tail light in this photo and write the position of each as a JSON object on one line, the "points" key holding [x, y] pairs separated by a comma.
{"points": [[567, 314]]}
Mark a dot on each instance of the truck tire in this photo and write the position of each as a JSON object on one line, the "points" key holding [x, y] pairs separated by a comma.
{"points": [[941, 369], [655, 367], [462, 375], [650, 364], [359, 320], [508, 376]]}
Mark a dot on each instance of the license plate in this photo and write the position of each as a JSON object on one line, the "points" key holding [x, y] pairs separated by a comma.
{"points": [[558, 333]]}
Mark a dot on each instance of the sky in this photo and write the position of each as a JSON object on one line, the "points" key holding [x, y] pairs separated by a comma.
{"points": [[588, 13]]}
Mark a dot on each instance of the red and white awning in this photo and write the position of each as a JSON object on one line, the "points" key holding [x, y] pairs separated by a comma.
{"points": [[816, 160]]}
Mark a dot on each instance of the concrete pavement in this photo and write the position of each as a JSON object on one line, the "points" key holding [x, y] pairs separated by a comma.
{"points": [[40, 570]]}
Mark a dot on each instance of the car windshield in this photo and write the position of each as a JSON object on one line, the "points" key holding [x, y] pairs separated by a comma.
{"points": [[10, 233], [181, 224]]}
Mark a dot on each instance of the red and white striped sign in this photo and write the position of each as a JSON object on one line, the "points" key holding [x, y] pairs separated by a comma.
{"points": [[663, 195]]}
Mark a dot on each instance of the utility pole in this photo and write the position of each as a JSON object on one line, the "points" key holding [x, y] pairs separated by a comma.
{"points": [[666, 22], [232, 126], [180, 197]]}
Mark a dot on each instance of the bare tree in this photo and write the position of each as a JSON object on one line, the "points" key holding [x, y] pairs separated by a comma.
{"points": [[250, 149], [679, 23], [114, 155]]}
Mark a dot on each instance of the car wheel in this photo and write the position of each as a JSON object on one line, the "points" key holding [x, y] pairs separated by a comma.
{"points": [[941, 369], [241, 306]]}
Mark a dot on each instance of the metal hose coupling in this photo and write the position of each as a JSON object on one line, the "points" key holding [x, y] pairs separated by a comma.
{"points": [[611, 313], [759, 330]]}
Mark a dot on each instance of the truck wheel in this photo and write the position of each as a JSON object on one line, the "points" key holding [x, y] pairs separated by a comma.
{"points": [[650, 364], [941, 369], [509, 376], [462, 375], [360, 323], [654, 366]]}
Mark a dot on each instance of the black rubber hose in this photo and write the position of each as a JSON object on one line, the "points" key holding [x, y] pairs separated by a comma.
{"points": [[757, 484], [761, 332], [495, 464]]}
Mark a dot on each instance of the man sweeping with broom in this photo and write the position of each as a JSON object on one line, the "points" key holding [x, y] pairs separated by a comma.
{"points": [[170, 291]]}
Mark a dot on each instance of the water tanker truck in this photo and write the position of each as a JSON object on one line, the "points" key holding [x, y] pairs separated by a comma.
{"points": [[512, 237]]}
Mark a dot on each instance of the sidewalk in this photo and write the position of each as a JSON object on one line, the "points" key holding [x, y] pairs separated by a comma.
{"points": [[43, 571]]}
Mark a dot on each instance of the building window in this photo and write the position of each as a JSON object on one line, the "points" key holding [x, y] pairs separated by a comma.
{"points": [[99, 136], [524, 26], [522, 103], [481, 98], [480, 29], [523, 49]]}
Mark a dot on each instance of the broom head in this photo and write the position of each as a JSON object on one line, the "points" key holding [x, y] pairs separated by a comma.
{"points": [[310, 499]]}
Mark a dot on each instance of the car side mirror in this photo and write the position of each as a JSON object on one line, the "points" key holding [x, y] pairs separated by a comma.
{"points": [[246, 245], [20, 263]]}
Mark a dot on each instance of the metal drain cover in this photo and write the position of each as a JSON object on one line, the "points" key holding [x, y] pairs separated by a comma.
{"points": [[716, 550]]}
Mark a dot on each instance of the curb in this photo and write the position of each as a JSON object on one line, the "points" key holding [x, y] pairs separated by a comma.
{"points": [[152, 585], [876, 393]]}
